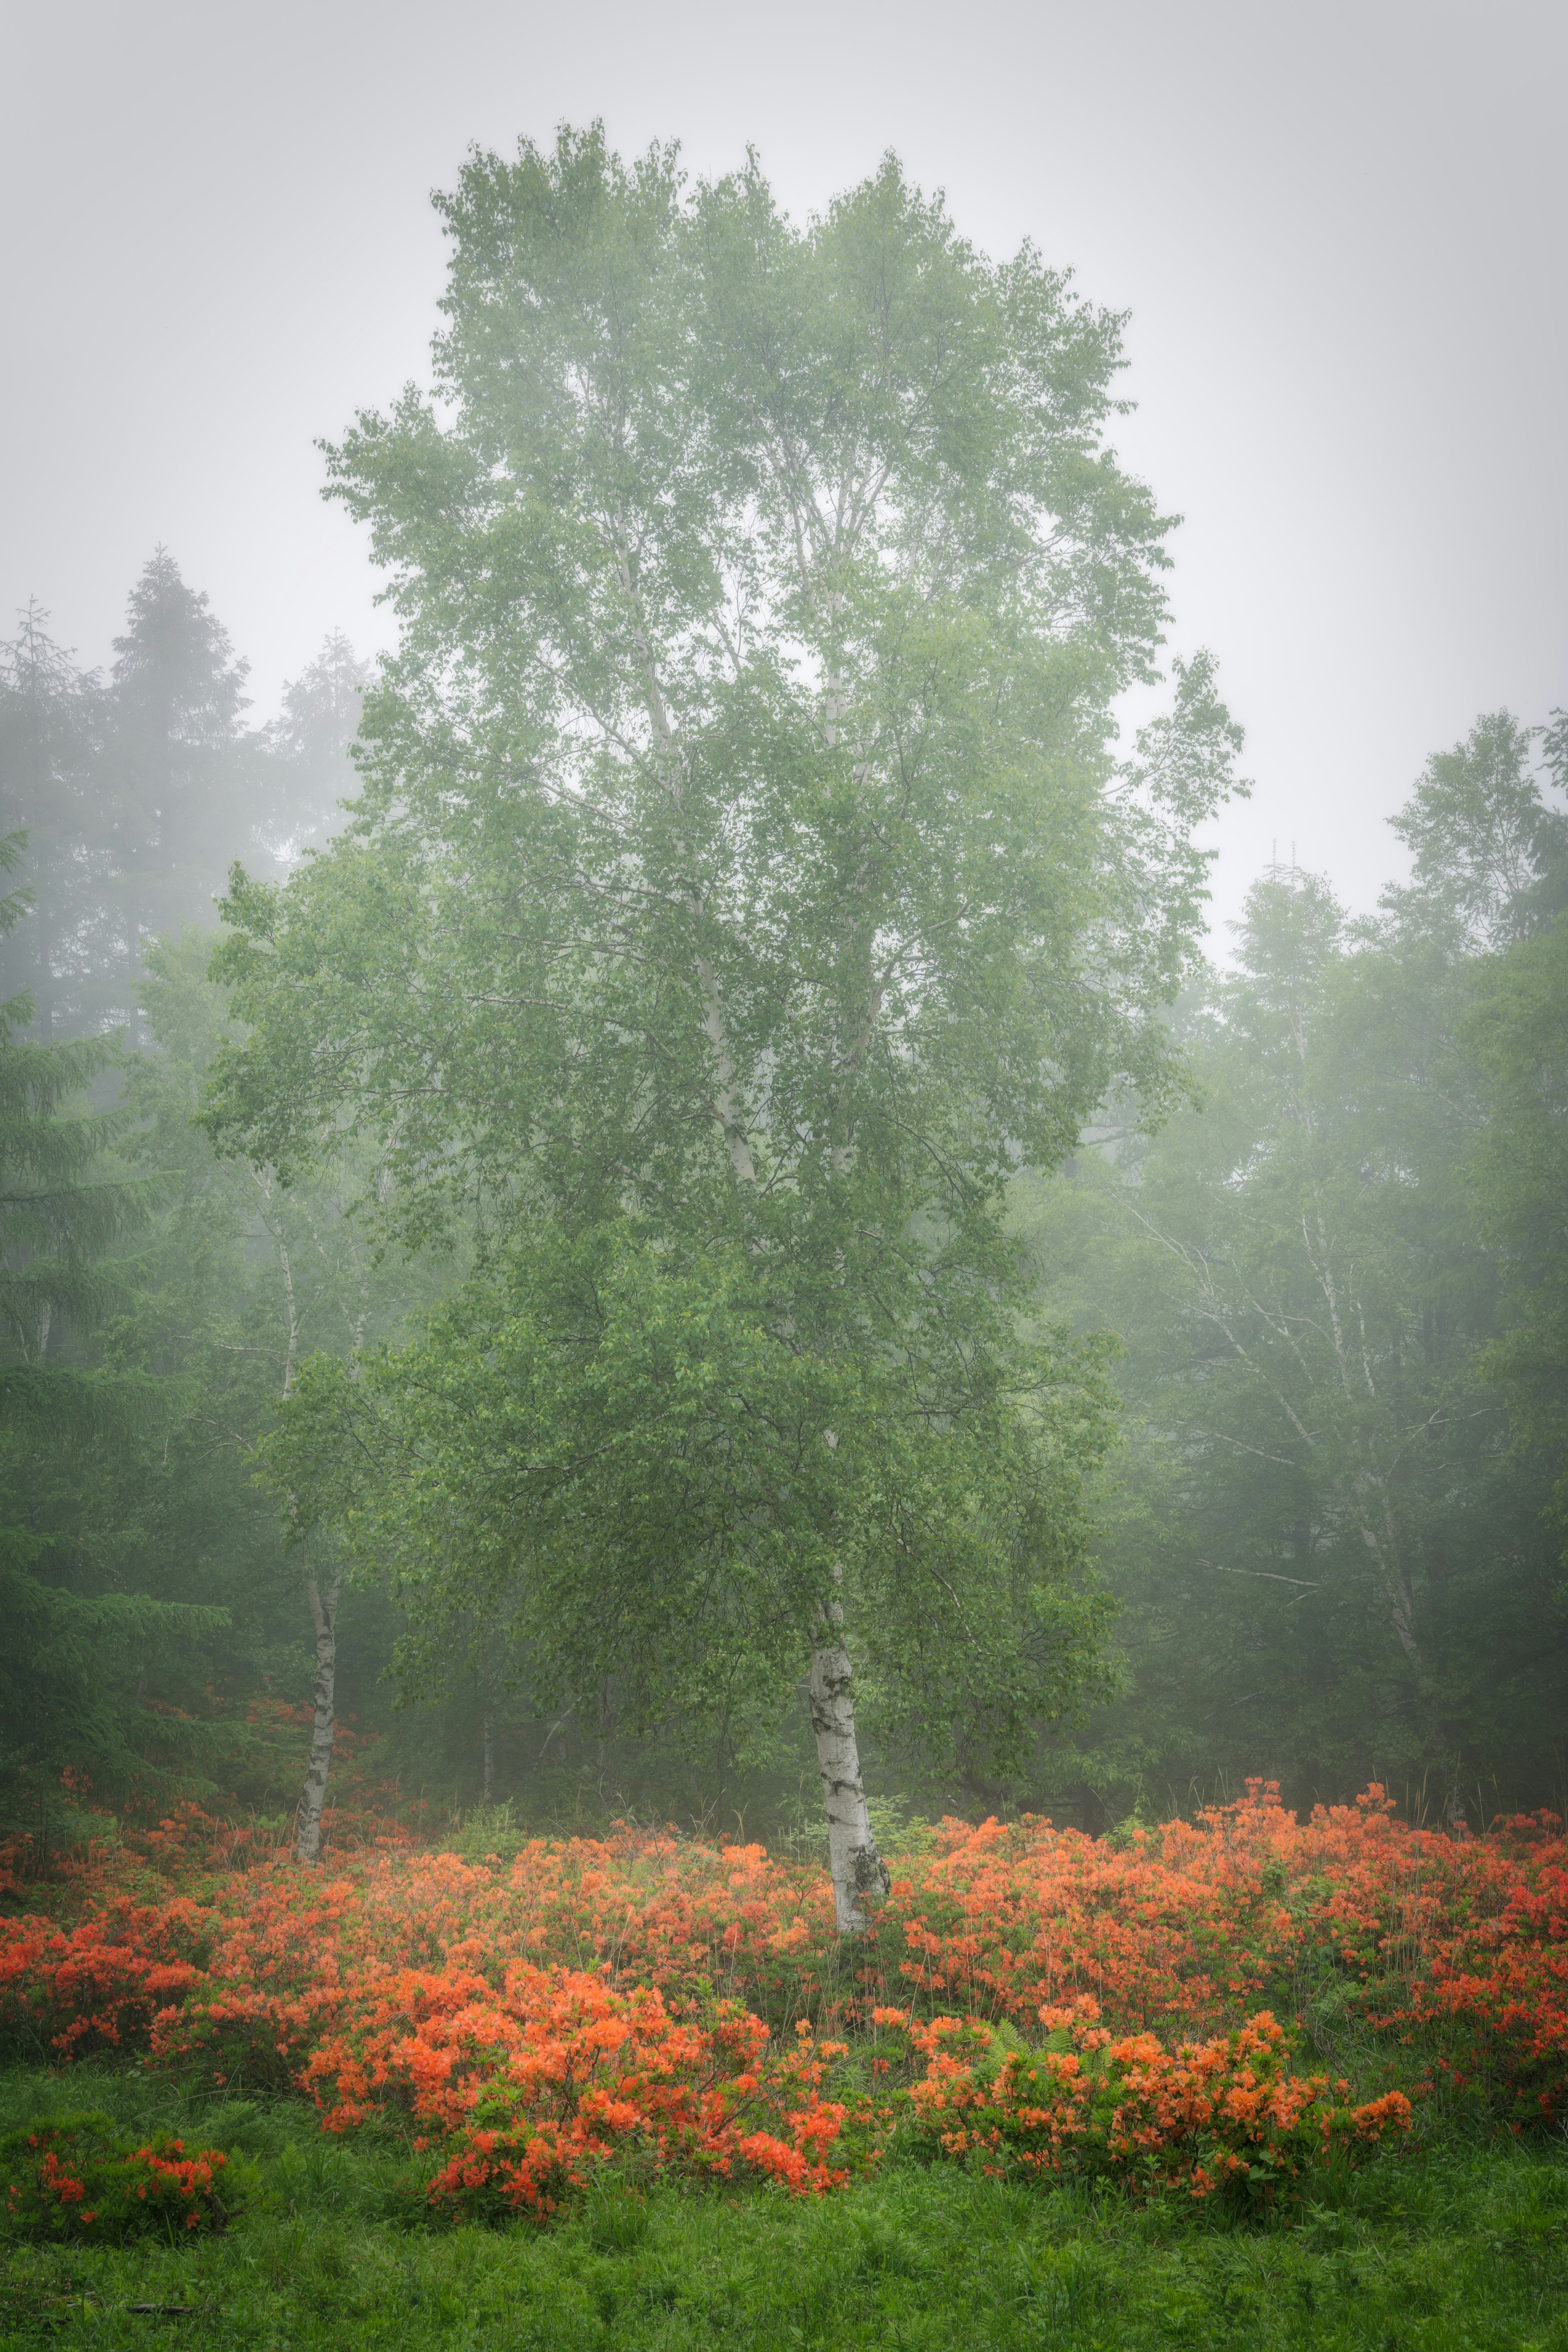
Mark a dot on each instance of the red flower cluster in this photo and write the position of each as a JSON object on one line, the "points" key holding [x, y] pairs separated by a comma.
{"points": [[1181, 1924], [532, 2082]]}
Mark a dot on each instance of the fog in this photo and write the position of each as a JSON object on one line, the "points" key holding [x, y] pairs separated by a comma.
{"points": [[1340, 233]]}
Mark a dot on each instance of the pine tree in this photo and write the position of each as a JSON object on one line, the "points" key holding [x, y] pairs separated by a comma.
{"points": [[68, 1658], [179, 804], [61, 950]]}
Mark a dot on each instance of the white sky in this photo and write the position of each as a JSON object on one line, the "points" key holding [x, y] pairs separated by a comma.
{"points": [[1340, 230]]}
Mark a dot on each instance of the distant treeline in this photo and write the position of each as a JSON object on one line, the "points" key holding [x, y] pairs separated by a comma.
{"points": [[1340, 1282]]}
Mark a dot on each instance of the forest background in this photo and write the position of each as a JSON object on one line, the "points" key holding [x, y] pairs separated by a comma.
{"points": [[1328, 1541]]}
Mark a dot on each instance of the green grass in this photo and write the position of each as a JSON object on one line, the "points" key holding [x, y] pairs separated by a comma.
{"points": [[1463, 2247]]}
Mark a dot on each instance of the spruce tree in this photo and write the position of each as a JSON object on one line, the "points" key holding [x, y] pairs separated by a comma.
{"points": [[179, 799], [70, 1658], [60, 951]]}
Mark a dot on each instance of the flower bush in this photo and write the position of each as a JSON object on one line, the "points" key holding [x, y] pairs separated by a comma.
{"points": [[69, 2177], [559, 2074], [1225, 2114], [1465, 1943], [1030, 2000]]}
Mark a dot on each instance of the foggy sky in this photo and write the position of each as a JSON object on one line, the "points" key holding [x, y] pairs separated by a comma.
{"points": [[1339, 230]]}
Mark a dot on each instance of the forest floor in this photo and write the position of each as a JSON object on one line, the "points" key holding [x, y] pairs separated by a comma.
{"points": [[1463, 2248]]}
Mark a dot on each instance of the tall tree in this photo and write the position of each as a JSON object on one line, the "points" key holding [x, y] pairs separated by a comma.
{"points": [[743, 885], [1486, 845], [310, 770], [68, 1658], [238, 1280], [1517, 1033], [181, 793], [52, 717], [1328, 1536]]}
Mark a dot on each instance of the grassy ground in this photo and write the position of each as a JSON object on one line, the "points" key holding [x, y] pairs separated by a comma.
{"points": [[1461, 2248]]}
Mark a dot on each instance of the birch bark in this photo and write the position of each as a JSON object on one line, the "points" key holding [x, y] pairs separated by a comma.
{"points": [[323, 1611], [853, 1859], [314, 1796], [856, 1866]]}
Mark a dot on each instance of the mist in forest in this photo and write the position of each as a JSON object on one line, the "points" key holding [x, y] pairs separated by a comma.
{"points": [[348, 1038]]}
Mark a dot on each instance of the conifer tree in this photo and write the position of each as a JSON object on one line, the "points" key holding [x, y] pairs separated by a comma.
{"points": [[60, 949], [68, 1659], [179, 796]]}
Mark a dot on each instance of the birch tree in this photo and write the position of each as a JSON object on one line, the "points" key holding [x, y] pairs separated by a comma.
{"points": [[744, 883], [322, 1266]]}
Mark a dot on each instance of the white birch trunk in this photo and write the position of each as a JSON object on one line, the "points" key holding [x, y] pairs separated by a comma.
{"points": [[855, 1865], [314, 1796]]}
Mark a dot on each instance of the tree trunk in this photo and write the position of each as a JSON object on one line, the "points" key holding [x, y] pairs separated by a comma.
{"points": [[489, 1791], [855, 1865], [314, 1796]]}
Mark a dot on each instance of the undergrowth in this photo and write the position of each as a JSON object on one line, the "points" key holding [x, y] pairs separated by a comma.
{"points": [[1461, 2247]]}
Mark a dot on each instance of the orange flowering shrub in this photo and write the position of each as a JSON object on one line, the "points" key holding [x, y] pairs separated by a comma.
{"points": [[1225, 2114], [71, 2177], [102, 1983], [532, 2081], [1187, 1923], [662, 2003]]}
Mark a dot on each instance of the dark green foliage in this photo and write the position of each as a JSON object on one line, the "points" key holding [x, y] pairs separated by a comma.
{"points": [[63, 951], [151, 1303], [1517, 1033], [68, 1655]]}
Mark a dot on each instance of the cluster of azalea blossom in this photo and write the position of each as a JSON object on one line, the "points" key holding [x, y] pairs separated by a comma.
{"points": [[1028, 1999]]}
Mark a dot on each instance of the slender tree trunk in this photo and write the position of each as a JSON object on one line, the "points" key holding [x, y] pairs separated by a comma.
{"points": [[314, 1796], [853, 1858], [489, 1755], [856, 1866]]}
